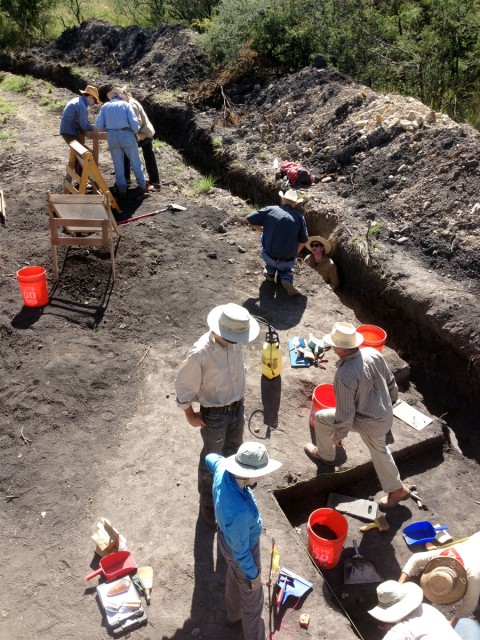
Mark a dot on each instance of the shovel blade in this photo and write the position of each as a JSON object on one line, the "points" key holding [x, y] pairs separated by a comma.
{"points": [[176, 207], [360, 571]]}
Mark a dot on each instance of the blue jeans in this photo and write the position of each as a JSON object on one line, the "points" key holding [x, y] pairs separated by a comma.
{"points": [[284, 268], [120, 143], [223, 434], [468, 629]]}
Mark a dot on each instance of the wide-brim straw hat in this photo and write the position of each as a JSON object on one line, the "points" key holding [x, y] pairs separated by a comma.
{"points": [[444, 580], [117, 92], [251, 461], [343, 336], [233, 322], [90, 90], [327, 245], [396, 601], [291, 196]]}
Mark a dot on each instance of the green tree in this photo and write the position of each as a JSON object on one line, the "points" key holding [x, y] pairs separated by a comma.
{"points": [[30, 16]]}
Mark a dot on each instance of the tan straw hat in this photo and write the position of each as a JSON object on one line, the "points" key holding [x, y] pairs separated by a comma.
{"points": [[251, 461], [233, 322], [290, 195], [444, 580], [90, 90], [396, 601], [327, 245], [344, 336]]}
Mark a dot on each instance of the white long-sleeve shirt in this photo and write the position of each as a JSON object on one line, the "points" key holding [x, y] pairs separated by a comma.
{"points": [[424, 623], [212, 375], [469, 551]]}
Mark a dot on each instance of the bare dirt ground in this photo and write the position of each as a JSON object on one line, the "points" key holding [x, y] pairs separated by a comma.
{"points": [[88, 422]]}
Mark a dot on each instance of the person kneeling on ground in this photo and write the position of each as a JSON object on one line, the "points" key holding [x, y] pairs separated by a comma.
{"points": [[120, 122], [284, 234], [365, 390], [401, 610], [449, 575], [319, 260], [240, 526]]}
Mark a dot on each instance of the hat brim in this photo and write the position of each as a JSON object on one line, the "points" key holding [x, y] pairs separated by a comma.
{"points": [[327, 338], [398, 611], [282, 195], [88, 93], [242, 471], [460, 587], [247, 336], [326, 244]]}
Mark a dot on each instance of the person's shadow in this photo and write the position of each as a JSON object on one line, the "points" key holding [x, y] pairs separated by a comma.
{"points": [[207, 612], [273, 302]]}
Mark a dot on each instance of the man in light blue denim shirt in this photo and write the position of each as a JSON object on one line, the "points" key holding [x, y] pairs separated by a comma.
{"points": [[119, 121], [240, 527]]}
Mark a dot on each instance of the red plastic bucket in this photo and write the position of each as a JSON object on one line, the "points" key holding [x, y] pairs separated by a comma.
{"points": [[326, 551], [372, 336], [323, 397], [33, 285]]}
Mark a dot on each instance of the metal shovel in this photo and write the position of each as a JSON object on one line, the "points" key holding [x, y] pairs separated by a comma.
{"points": [[169, 207], [359, 570]]}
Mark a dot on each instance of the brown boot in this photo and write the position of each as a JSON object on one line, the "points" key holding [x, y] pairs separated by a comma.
{"points": [[289, 288], [393, 498]]}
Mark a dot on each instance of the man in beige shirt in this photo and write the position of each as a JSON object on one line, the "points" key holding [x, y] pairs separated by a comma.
{"points": [[320, 261], [213, 375]]}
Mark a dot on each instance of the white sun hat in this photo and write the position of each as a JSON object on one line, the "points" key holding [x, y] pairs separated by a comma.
{"points": [[251, 461], [344, 336], [233, 322], [396, 601], [290, 195]]}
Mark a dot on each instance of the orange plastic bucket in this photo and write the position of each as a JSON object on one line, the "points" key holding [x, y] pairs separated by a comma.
{"points": [[33, 285], [327, 531], [372, 336], [323, 397]]}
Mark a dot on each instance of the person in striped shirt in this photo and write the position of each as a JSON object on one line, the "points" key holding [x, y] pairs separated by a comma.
{"points": [[365, 390]]}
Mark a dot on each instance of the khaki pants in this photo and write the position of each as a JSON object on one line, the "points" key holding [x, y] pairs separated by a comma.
{"points": [[241, 602], [382, 459]]}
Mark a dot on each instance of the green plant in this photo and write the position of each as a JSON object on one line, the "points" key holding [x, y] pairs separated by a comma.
{"points": [[168, 96], [52, 104], [217, 142], [16, 84], [7, 138], [7, 109], [158, 144], [204, 184], [86, 72]]}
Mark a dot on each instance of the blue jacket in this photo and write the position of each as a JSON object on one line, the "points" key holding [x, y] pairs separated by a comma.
{"points": [[117, 114], [284, 229], [237, 515], [75, 117]]}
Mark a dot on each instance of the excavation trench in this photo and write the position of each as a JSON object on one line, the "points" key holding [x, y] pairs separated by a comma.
{"points": [[419, 310]]}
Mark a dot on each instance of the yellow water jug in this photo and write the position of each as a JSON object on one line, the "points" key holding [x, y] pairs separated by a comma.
{"points": [[271, 355]]}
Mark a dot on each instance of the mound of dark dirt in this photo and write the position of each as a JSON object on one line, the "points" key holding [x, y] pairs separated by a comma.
{"points": [[157, 59]]}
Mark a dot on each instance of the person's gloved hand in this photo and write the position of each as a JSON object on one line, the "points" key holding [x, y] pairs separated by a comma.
{"points": [[256, 583]]}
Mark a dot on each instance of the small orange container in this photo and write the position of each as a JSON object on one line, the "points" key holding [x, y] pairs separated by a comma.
{"points": [[33, 285], [372, 336], [323, 397]]}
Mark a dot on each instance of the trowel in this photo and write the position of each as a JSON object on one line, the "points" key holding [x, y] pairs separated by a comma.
{"points": [[146, 576], [359, 570]]}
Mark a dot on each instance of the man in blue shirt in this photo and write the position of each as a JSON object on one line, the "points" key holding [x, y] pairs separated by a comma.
{"points": [[240, 526], [75, 115], [117, 118], [284, 234]]}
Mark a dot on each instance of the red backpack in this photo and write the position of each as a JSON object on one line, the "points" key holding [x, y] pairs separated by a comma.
{"points": [[296, 174]]}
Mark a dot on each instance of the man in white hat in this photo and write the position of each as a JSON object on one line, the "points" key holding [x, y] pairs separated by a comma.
{"points": [[214, 376], [401, 610], [365, 390], [239, 530], [320, 261], [449, 575], [284, 234]]}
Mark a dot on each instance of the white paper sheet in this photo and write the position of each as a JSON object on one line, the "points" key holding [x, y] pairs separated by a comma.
{"points": [[410, 415]]}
